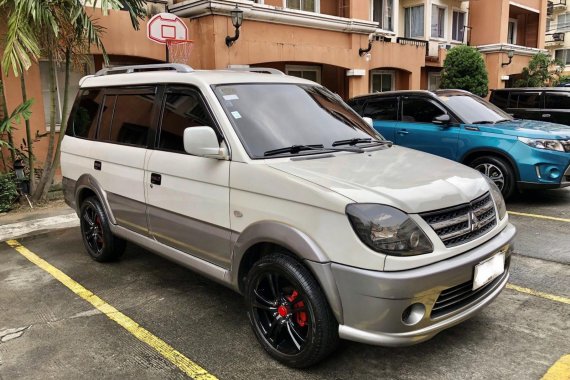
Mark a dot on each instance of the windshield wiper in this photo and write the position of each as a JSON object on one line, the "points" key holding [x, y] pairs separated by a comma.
{"points": [[502, 121], [293, 149], [361, 140]]}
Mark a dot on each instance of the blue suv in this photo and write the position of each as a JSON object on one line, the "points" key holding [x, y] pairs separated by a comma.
{"points": [[455, 124]]}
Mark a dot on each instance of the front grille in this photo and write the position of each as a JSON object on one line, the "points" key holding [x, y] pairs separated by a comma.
{"points": [[455, 298], [461, 224]]}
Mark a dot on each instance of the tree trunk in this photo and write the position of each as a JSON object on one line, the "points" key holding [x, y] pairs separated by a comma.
{"points": [[29, 140], [4, 108], [43, 185], [63, 126]]}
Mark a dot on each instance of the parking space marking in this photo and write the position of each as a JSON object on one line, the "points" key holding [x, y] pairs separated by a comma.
{"points": [[537, 293], [538, 216], [168, 352], [560, 370]]}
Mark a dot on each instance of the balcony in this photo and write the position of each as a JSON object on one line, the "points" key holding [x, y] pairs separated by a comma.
{"points": [[554, 39], [433, 49]]}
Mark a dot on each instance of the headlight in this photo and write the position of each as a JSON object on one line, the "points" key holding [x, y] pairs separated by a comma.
{"points": [[388, 230], [543, 144], [497, 197]]}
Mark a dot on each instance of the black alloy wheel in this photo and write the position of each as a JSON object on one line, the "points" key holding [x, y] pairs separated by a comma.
{"points": [[288, 312], [99, 242]]}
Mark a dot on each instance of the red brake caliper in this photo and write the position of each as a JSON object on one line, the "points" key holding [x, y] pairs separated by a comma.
{"points": [[300, 316]]}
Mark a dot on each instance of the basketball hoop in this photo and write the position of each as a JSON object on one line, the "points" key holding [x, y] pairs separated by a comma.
{"points": [[179, 50]]}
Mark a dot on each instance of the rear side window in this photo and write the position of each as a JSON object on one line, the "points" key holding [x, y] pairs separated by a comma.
{"points": [[419, 111], [526, 100], [500, 99], [83, 119], [382, 109], [182, 110], [127, 118], [558, 100]]}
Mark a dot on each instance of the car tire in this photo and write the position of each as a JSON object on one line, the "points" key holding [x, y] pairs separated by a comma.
{"points": [[499, 171], [100, 243], [288, 312]]}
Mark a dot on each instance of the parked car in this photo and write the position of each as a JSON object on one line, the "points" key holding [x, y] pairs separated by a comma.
{"points": [[455, 124], [551, 104], [274, 187]]}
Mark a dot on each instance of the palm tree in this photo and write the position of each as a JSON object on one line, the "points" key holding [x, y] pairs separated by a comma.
{"points": [[62, 31]]}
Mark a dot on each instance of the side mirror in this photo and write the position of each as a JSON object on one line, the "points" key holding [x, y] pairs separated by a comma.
{"points": [[444, 119], [369, 121], [203, 142]]}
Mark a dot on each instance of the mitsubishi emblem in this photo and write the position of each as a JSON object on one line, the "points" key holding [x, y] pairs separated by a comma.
{"points": [[474, 221]]}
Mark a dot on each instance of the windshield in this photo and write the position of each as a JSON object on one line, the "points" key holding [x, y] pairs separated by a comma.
{"points": [[270, 116], [472, 109]]}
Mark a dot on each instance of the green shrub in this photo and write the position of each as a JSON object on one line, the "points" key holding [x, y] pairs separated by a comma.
{"points": [[464, 69], [8, 191]]}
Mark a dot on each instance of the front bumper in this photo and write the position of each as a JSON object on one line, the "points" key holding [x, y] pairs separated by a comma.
{"points": [[541, 168], [374, 302]]}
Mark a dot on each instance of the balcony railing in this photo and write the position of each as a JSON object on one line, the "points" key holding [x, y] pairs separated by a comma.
{"points": [[555, 39], [412, 41]]}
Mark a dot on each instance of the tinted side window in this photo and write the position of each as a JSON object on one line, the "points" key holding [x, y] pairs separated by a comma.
{"points": [[527, 100], [558, 100], [382, 109], [500, 98], [83, 120], [356, 105], [182, 110], [107, 117], [127, 118], [419, 111]]}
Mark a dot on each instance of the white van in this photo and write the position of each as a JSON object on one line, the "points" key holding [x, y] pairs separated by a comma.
{"points": [[273, 186]]}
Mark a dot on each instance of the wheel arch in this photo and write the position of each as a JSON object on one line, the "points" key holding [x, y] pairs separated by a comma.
{"points": [[263, 238], [87, 186], [482, 152]]}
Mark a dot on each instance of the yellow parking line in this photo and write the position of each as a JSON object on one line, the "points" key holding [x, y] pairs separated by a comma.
{"points": [[538, 216], [536, 293], [178, 359], [560, 370]]}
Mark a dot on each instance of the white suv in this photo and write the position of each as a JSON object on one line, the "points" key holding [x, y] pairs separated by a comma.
{"points": [[273, 186]]}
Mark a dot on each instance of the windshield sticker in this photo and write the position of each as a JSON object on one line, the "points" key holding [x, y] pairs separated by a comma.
{"points": [[231, 97], [236, 115]]}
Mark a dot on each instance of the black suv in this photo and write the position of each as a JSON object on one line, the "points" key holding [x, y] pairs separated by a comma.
{"points": [[545, 104]]}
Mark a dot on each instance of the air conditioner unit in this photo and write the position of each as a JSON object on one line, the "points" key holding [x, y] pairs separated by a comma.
{"points": [[433, 49], [558, 37]]}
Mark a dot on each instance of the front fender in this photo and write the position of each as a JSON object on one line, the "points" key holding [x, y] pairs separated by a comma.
{"points": [[296, 242]]}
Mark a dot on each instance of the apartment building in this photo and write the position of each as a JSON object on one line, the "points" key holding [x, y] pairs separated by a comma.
{"points": [[557, 27], [353, 47], [508, 33]]}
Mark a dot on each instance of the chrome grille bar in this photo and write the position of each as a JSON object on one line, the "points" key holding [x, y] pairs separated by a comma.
{"points": [[461, 224]]}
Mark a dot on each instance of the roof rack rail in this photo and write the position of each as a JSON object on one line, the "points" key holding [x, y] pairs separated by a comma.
{"points": [[267, 70], [179, 67]]}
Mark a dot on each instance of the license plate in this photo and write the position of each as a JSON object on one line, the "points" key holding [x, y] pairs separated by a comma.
{"points": [[488, 270]]}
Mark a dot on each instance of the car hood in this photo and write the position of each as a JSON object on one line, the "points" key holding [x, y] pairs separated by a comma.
{"points": [[528, 128], [407, 179]]}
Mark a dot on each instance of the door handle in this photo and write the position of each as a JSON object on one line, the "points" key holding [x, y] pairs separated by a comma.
{"points": [[546, 115], [97, 165], [155, 179], [403, 132]]}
